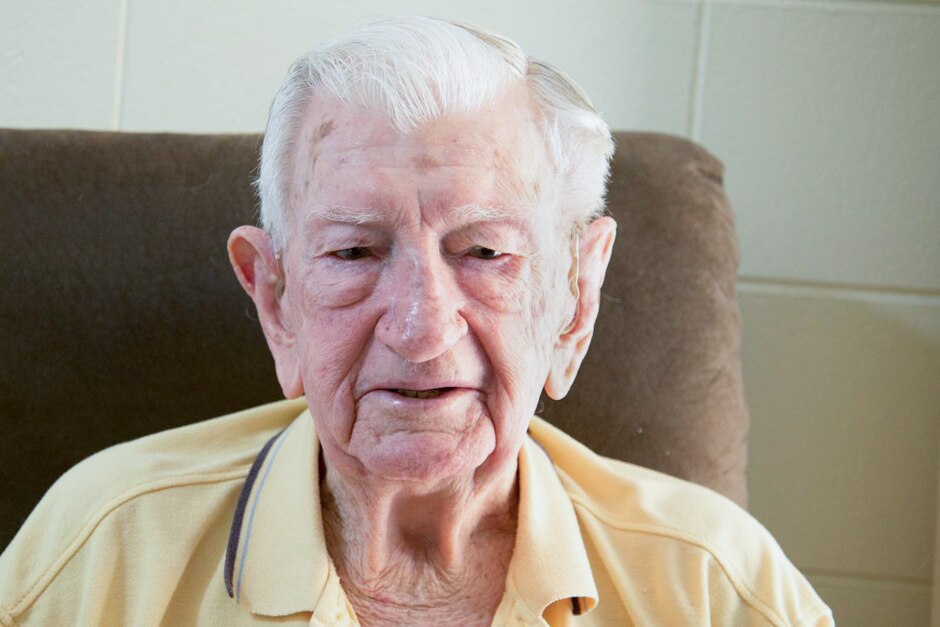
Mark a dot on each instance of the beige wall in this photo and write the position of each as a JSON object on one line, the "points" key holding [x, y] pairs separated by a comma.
{"points": [[827, 115], [936, 570]]}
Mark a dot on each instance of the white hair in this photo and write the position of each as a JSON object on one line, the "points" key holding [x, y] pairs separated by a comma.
{"points": [[414, 70]]}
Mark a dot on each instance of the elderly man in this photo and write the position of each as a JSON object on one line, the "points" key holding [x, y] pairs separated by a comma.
{"points": [[431, 259]]}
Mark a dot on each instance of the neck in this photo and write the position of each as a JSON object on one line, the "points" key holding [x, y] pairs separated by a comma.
{"points": [[411, 553]]}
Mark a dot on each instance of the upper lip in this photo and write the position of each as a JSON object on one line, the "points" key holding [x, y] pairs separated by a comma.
{"points": [[419, 385]]}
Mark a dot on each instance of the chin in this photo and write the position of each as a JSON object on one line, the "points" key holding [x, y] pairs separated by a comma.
{"points": [[428, 456]]}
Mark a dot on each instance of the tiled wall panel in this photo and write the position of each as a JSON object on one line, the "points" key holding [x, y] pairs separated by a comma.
{"points": [[58, 63], [845, 436], [205, 67], [862, 603], [935, 612], [829, 122]]}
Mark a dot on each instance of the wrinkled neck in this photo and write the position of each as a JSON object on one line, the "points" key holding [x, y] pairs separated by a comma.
{"points": [[437, 523]]}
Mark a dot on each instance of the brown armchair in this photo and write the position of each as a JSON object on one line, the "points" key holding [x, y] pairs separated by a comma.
{"points": [[121, 317]]}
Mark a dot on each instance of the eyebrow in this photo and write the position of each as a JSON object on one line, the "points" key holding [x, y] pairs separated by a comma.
{"points": [[342, 214], [482, 213], [355, 215]]}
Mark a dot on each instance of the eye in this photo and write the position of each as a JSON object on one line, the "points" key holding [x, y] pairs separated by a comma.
{"points": [[352, 254], [482, 252]]}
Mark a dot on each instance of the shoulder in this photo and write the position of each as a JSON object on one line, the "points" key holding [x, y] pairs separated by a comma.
{"points": [[659, 528], [156, 485]]}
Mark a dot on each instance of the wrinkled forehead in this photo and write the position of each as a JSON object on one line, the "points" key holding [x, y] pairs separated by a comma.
{"points": [[503, 138]]}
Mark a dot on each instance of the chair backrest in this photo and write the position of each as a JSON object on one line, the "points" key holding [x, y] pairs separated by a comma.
{"points": [[120, 315]]}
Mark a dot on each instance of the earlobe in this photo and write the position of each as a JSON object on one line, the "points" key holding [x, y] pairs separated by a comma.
{"points": [[289, 376], [574, 340], [256, 266]]}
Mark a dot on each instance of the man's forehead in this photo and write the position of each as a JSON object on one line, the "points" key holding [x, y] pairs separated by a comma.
{"points": [[396, 154], [345, 153], [333, 126], [341, 142]]}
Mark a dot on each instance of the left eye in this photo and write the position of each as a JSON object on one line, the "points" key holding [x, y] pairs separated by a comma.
{"points": [[482, 252], [352, 254]]}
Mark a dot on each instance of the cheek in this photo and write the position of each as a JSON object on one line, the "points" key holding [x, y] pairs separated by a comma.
{"points": [[330, 346], [519, 346], [519, 369], [326, 357], [504, 287], [529, 339], [327, 285]]}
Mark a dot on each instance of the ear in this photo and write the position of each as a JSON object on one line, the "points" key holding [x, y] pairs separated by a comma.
{"points": [[573, 341], [253, 260]]}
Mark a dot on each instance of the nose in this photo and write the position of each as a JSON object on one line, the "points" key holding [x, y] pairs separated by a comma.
{"points": [[422, 320]]}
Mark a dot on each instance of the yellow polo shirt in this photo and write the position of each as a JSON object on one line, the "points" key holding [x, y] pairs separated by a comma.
{"points": [[218, 523]]}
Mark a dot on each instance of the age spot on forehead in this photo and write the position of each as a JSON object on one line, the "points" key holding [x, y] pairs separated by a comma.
{"points": [[313, 146], [426, 161], [323, 131]]}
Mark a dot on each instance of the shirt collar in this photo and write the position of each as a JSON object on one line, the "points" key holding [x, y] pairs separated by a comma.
{"points": [[277, 563], [549, 566]]}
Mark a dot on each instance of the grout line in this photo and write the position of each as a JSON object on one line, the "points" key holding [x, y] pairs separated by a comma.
{"points": [[698, 76], [895, 580], [844, 290], [693, 78], [857, 6], [118, 118]]}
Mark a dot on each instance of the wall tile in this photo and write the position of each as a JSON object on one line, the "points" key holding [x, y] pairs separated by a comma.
{"points": [[827, 119], [635, 58], [861, 603], [59, 62], [935, 613], [213, 67], [845, 432]]}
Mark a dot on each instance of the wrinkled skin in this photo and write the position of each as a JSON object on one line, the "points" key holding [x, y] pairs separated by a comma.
{"points": [[424, 261]]}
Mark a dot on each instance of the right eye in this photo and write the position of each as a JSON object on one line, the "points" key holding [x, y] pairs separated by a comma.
{"points": [[352, 254], [482, 252]]}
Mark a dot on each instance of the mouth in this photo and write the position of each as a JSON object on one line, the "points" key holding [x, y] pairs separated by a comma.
{"points": [[431, 393]]}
